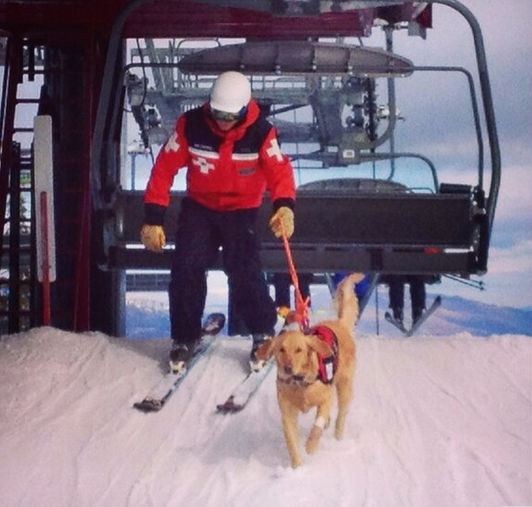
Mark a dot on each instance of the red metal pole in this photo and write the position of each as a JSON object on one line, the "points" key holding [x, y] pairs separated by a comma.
{"points": [[45, 263]]}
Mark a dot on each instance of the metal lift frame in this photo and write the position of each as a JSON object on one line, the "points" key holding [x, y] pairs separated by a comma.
{"points": [[454, 237]]}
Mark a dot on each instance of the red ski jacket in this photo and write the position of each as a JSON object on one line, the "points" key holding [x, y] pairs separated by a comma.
{"points": [[226, 170]]}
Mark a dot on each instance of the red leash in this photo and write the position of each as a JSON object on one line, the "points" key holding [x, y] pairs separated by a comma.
{"points": [[301, 312]]}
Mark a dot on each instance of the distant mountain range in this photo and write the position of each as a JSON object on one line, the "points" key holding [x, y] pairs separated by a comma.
{"points": [[459, 315], [481, 319], [456, 315]]}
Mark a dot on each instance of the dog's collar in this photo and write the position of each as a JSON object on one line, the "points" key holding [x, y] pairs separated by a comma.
{"points": [[296, 380], [291, 326]]}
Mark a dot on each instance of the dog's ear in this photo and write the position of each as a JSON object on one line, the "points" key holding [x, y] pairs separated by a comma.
{"points": [[320, 346], [265, 351]]}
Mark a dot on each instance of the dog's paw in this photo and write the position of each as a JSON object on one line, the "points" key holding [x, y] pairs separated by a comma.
{"points": [[313, 440], [339, 430], [296, 463], [311, 446], [339, 434], [285, 472]]}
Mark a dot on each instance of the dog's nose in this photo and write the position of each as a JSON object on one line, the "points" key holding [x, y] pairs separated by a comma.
{"points": [[288, 369]]}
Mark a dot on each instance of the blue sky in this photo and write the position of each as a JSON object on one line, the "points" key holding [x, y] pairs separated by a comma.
{"points": [[509, 45], [508, 42]]}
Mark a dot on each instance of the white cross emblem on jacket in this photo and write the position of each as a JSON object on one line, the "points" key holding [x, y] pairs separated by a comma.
{"points": [[172, 144], [203, 165], [274, 150]]}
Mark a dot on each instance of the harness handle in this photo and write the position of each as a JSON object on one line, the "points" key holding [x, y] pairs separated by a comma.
{"points": [[301, 310]]}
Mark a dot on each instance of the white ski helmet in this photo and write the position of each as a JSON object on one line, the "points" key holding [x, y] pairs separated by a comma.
{"points": [[231, 92]]}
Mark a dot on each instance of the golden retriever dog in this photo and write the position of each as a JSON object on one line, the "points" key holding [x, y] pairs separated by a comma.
{"points": [[310, 366]]}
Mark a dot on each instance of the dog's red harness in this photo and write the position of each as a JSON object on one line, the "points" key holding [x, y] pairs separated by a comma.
{"points": [[328, 364]]}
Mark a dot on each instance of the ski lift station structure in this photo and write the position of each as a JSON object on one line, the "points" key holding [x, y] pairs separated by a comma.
{"points": [[114, 75]]}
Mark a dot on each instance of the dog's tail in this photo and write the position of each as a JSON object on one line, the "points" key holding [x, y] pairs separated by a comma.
{"points": [[347, 301]]}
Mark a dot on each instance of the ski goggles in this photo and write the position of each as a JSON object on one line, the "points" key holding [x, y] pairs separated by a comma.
{"points": [[224, 116]]}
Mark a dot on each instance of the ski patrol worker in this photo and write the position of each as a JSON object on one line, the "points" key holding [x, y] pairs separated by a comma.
{"points": [[232, 156]]}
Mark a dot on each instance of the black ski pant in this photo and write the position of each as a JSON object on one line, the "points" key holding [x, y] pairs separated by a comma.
{"points": [[282, 282], [417, 291], [201, 232]]}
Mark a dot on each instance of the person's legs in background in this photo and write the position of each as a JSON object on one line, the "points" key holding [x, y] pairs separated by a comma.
{"points": [[397, 297]]}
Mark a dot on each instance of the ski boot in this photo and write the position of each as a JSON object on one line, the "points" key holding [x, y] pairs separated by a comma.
{"points": [[398, 315], [180, 355], [259, 339]]}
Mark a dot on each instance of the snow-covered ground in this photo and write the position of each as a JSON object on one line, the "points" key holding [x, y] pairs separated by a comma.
{"points": [[435, 422]]}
